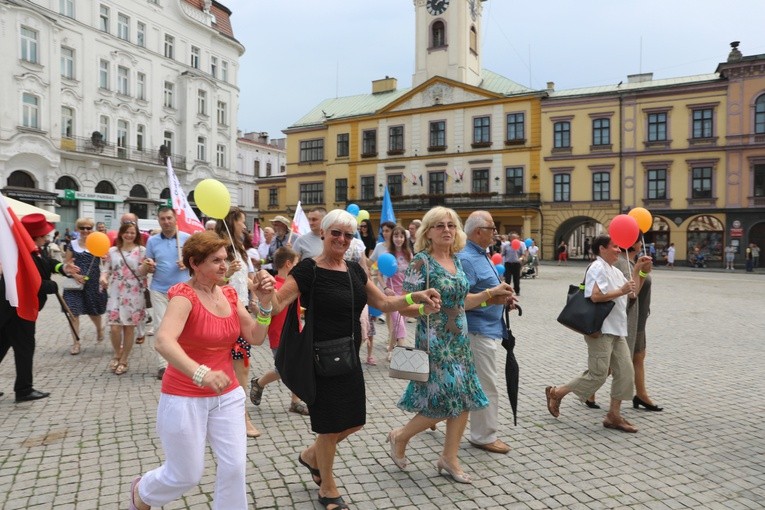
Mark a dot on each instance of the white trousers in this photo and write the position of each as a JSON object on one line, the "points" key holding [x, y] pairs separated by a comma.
{"points": [[484, 423], [158, 308], [184, 425]]}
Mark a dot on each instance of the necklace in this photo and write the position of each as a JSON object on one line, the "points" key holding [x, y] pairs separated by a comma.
{"points": [[212, 295]]}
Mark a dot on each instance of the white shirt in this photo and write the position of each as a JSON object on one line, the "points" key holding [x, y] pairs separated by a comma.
{"points": [[609, 278]]}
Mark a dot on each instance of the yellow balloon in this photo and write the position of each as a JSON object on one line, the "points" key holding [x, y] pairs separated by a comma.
{"points": [[98, 244], [643, 218], [363, 215], [212, 198]]}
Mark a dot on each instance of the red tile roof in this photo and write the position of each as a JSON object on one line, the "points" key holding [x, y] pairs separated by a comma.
{"points": [[222, 16]]}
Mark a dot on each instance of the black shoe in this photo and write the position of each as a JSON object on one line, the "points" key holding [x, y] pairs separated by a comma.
{"points": [[637, 402], [161, 373], [591, 404], [32, 395]]}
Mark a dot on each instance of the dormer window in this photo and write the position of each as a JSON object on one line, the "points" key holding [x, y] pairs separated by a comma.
{"points": [[474, 40], [438, 34]]}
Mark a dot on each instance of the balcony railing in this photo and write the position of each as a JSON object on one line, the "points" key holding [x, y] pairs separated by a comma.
{"points": [[88, 145], [455, 201]]}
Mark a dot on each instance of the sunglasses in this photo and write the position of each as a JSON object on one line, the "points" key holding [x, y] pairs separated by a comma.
{"points": [[84, 228], [128, 222], [338, 233]]}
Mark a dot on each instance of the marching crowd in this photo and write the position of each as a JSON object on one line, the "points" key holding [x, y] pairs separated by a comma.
{"points": [[213, 295]]}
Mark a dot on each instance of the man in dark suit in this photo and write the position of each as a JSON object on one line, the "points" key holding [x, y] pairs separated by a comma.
{"points": [[20, 333]]}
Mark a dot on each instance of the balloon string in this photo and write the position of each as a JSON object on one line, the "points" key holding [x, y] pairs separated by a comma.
{"points": [[629, 266], [645, 250], [236, 252]]}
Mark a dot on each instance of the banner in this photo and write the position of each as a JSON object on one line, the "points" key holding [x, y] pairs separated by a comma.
{"points": [[300, 223], [185, 216], [386, 214]]}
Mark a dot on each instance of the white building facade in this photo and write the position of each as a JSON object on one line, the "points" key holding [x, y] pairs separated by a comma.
{"points": [[258, 157], [96, 93]]}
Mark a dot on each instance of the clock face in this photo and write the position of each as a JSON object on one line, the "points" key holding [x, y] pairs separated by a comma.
{"points": [[437, 7]]}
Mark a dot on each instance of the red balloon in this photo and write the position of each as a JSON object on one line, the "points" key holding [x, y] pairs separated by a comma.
{"points": [[624, 231], [144, 237], [516, 244], [112, 235], [496, 259]]}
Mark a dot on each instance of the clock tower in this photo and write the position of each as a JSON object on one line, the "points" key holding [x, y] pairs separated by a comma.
{"points": [[448, 39]]}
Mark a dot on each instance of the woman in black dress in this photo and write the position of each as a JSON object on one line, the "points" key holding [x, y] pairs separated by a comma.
{"points": [[340, 406]]}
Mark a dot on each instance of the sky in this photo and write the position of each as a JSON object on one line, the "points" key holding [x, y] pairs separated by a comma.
{"points": [[300, 52]]}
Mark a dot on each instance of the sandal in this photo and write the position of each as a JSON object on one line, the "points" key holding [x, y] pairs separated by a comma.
{"points": [[113, 364], [140, 340], [299, 408], [338, 502], [553, 404], [371, 361], [75, 350], [315, 474], [121, 369], [256, 391]]}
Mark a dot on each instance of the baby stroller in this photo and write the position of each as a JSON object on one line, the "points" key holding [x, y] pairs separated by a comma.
{"points": [[528, 270]]}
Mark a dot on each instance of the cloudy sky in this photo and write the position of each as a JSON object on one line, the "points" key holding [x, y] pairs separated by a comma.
{"points": [[299, 52]]}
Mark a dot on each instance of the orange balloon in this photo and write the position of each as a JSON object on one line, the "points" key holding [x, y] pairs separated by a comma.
{"points": [[98, 244], [643, 218]]}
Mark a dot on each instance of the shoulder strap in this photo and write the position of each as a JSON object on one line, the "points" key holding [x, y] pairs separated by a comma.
{"points": [[128, 265], [427, 317], [350, 281]]}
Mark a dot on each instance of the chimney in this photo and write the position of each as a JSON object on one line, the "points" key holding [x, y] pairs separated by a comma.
{"points": [[263, 137], [639, 78], [550, 86], [387, 84], [734, 55]]}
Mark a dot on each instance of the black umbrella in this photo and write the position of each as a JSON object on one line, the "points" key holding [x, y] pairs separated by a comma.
{"points": [[511, 364]]}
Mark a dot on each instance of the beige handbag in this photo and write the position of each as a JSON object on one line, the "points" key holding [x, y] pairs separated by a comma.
{"points": [[410, 363]]}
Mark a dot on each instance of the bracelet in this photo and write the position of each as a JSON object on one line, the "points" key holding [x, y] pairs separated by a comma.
{"points": [[58, 267], [484, 304], [265, 311], [264, 320], [409, 299], [421, 309], [488, 293], [199, 374], [642, 274]]}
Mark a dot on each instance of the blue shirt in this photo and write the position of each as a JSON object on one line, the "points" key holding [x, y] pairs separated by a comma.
{"points": [[482, 275], [164, 252]]}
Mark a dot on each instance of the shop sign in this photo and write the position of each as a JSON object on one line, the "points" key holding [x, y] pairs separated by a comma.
{"points": [[736, 230], [69, 194]]}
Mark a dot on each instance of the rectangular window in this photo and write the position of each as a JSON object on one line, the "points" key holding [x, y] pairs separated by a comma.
{"points": [[123, 86], [482, 130], [759, 115], [657, 184], [562, 187], [480, 181], [201, 148], [341, 190], [256, 167], [701, 184], [201, 102], [140, 82], [437, 183], [168, 96], [601, 132], [562, 135], [396, 139], [657, 127], [122, 138], [438, 134], [759, 181], [312, 193], [220, 156], [169, 46], [28, 45], [103, 127], [224, 70], [516, 126], [67, 63], [103, 74], [342, 145], [369, 142], [140, 134], [66, 7], [67, 122], [601, 186], [514, 181], [368, 188], [273, 197], [140, 34], [195, 57], [396, 185], [30, 111], [269, 166], [123, 27], [312, 150], [702, 123], [104, 18], [214, 66], [222, 113], [167, 141]]}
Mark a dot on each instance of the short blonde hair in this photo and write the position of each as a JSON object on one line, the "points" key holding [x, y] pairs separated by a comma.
{"points": [[82, 222], [429, 221]]}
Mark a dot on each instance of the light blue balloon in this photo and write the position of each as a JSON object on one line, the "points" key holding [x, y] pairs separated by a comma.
{"points": [[353, 209], [387, 265], [529, 241], [500, 269], [374, 312]]}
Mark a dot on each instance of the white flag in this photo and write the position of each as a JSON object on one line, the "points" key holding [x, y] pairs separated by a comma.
{"points": [[300, 223], [186, 217]]}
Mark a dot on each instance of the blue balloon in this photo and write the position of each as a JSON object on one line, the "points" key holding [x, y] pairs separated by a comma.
{"points": [[374, 312], [387, 264], [500, 269], [529, 241], [353, 209]]}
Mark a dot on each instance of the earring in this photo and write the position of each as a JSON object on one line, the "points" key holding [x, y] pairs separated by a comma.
{"points": [[322, 238]]}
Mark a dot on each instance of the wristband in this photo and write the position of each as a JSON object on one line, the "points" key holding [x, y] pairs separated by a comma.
{"points": [[265, 311], [199, 374], [409, 299], [488, 293], [263, 320], [421, 309], [484, 304], [643, 274], [58, 267]]}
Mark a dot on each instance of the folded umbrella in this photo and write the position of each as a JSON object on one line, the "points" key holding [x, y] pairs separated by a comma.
{"points": [[511, 364]]}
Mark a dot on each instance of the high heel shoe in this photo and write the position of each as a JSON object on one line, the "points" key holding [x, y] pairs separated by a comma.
{"points": [[637, 402], [398, 461], [457, 477]]}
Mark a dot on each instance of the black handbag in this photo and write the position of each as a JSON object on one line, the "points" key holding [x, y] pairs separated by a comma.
{"points": [[581, 314], [338, 356], [294, 356]]}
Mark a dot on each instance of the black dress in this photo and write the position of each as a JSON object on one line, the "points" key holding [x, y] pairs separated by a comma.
{"points": [[340, 401]]}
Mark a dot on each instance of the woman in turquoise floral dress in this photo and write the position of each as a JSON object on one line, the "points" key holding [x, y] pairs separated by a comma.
{"points": [[453, 388]]}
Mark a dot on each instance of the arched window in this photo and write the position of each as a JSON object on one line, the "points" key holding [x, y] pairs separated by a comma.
{"points": [[759, 115], [705, 237], [438, 34], [474, 40], [66, 182], [105, 187], [21, 179], [139, 191], [165, 193]]}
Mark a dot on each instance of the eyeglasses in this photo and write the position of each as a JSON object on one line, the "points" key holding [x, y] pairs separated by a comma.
{"points": [[494, 229], [128, 223], [338, 233], [444, 226], [84, 228]]}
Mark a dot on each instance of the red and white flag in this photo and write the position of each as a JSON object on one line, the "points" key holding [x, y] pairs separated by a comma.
{"points": [[300, 223], [185, 216], [22, 279]]}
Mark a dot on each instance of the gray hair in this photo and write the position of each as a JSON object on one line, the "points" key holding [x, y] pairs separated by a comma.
{"points": [[474, 221], [339, 217]]}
